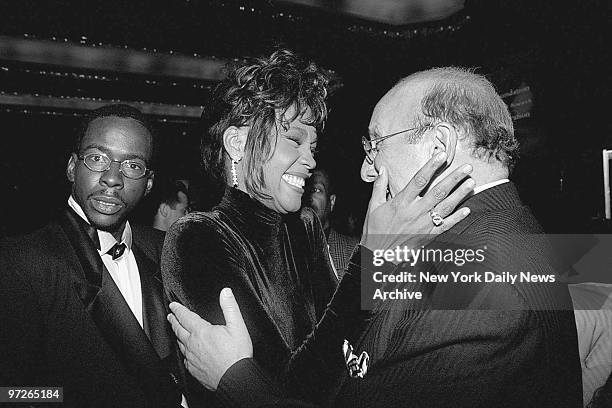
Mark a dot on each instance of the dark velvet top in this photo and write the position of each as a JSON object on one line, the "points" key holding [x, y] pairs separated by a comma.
{"points": [[277, 266]]}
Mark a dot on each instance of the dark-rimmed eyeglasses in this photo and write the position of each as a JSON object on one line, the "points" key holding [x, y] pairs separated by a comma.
{"points": [[99, 162], [369, 145]]}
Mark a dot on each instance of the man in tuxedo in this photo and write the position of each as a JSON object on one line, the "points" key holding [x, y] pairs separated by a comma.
{"points": [[81, 299], [478, 345]]}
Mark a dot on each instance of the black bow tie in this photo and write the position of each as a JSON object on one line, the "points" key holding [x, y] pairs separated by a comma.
{"points": [[116, 251]]}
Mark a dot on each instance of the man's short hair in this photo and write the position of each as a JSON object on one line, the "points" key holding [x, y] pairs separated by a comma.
{"points": [[122, 111], [251, 95], [165, 190], [469, 102]]}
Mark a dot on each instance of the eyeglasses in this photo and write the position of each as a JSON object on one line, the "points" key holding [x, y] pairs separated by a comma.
{"points": [[99, 162], [369, 145]]}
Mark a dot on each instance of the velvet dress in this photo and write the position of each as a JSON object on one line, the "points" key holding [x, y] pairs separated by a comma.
{"points": [[279, 270]]}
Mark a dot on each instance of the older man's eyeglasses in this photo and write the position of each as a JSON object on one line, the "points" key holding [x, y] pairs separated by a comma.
{"points": [[99, 162], [370, 145]]}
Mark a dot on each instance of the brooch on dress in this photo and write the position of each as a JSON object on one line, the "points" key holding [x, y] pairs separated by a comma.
{"points": [[357, 366]]}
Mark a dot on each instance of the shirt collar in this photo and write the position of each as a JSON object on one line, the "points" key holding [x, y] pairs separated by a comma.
{"points": [[489, 185], [106, 238]]}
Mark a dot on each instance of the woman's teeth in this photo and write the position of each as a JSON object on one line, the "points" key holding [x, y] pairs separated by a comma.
{"points": [[294, 180]]}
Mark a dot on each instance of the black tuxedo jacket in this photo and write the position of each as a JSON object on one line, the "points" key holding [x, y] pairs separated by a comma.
{"points": [[65, 323], [515, 347]]}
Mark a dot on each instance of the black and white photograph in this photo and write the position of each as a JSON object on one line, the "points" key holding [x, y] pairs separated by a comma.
{"points": [[305, 203]]}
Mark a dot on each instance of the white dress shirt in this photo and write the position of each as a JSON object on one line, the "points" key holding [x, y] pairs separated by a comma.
{"points": [[489, 185]]}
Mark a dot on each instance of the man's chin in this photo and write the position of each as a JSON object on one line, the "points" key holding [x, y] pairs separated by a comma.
{"points": [[106, 223]]}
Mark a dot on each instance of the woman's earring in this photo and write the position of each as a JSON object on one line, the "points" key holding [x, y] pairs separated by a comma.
{"points": [[234, 173]]}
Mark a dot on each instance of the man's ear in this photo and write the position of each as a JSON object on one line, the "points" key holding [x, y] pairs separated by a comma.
{"points": [[332, 200], [445, 140], [150, 179], [70, 167], [234, 141]]}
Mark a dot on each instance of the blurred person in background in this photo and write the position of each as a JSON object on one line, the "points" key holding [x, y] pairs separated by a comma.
{"points": [[320, 195]]}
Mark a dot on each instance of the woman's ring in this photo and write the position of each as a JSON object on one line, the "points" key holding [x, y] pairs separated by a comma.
{"points": [[436, 218]]}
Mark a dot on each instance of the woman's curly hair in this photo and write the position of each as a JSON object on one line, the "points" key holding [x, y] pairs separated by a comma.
{"points": [[258, 93]]}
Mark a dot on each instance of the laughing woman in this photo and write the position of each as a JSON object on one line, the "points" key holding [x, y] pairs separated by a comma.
{"points": [[260, 134]]}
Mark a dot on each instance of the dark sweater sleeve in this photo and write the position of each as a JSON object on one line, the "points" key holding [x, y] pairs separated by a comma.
{"points": [[324, 279], [247, 385], [317, 366]]}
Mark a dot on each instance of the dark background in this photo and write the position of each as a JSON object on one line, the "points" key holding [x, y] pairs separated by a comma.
{"points": [[559, 49]]}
